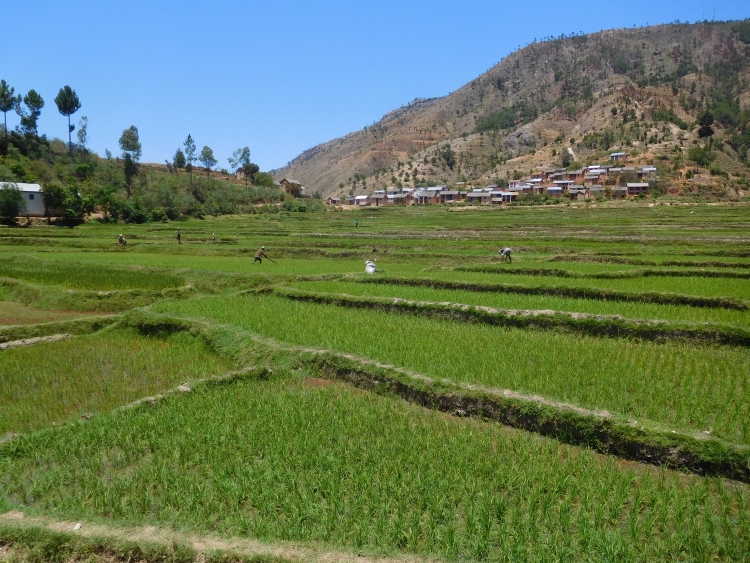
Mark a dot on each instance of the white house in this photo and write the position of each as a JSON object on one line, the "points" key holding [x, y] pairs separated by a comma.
{"points": [[32, 196]]}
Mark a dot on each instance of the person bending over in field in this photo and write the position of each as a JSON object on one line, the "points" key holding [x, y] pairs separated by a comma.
{"points": [[121, 241], [260, 255], [505, 255]]}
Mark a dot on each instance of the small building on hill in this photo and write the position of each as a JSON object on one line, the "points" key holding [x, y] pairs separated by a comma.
{"points": [[32, 197], [333, 200], [618, 156], [292, 186], [637, 188]]}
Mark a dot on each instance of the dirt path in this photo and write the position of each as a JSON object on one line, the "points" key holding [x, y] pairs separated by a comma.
{"points": [[35, 340], [202, 543]]}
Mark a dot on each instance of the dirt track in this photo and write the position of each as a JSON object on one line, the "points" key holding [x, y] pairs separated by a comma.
{"points": [[200, 543]]}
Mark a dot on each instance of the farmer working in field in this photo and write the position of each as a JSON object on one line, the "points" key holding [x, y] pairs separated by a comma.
{"points": [[505, 255], [122, 241], [260, 255], [179, 237]]}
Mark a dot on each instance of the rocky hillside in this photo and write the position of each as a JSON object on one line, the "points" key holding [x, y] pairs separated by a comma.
{"points": [[636, 89]]}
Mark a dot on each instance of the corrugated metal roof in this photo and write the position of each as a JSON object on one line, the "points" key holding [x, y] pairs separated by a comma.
{"points": [[36, 188]]}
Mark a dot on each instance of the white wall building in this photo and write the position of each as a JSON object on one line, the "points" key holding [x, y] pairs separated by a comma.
{"points": [[32, 196]]}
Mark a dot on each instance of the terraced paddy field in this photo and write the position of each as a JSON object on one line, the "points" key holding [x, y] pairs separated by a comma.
{"points": [[588, 401]]}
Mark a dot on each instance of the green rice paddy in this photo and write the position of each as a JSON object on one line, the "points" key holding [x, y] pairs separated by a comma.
{"points": [[291, 455]]}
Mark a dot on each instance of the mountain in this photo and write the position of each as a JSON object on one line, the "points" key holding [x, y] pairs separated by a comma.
{"points": [[638, 89]]}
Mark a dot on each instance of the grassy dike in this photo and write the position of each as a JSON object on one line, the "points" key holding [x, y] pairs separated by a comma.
{"points": [[570, 292], [579, 323], [646, 441]]}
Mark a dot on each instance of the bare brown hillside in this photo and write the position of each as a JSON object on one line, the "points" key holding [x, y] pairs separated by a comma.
{"points": [[638, 89]]}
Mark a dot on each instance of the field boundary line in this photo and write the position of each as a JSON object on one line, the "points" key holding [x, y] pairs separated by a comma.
{"points": [[622, 274], [188, 546], [604, 259], [611, 326], [649, 297], [33, 340], [84, 325]]}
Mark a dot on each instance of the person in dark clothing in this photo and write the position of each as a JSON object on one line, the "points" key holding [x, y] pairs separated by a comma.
{"points": [[121, 241], [179, 237], [260, 255]]}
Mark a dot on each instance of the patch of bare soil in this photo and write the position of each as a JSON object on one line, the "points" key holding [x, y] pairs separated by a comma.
{"points": [[313, 553]]}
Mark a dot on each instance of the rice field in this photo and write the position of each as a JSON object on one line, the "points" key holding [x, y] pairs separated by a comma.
{"points": [[293, 456], [516, 301], [289, 460], [700, 388], [56, 381]]}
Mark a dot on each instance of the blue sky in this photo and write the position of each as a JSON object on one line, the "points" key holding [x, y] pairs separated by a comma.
{"points": [[282, 76]]}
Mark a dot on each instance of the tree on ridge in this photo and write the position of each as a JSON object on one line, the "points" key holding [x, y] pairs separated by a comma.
{"points": [[67, 104]]}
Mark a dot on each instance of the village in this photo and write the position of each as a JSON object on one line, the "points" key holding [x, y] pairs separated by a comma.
{"points": [[590, 182]]}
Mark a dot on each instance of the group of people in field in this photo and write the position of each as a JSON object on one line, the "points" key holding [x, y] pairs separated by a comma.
{"points": [[505, 252]]}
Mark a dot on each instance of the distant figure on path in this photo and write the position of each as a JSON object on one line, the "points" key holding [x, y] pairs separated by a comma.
{"points": [[179, 237], [505, 255], [260, 255], [356, 223], [122, 241]]}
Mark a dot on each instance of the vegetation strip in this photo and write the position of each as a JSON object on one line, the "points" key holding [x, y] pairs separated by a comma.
{"points": [[86, 300], [573, 292], [45, 540], [642, 262], [639, 273], [85, 325], [582, 323]]}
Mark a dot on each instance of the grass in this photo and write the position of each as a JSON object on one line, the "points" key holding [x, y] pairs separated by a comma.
{"points": [[12, 313], [307, 460], [284, 460], [48, 383], [77, 276], [700, 388], [520, 301]]}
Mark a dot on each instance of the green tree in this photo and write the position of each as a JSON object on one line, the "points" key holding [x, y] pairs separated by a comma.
{"points": [[67, 104], [178, 160], [207, 159], [53, 196], [131, 154], [8, 101], [565, 159], [239, 158], [29, 118], [83, 129], [705, 121], [190, 157], [12, 203], [701, 156]]}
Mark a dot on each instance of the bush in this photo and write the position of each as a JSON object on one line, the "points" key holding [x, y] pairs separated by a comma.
{"points": [[12, 203]]}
